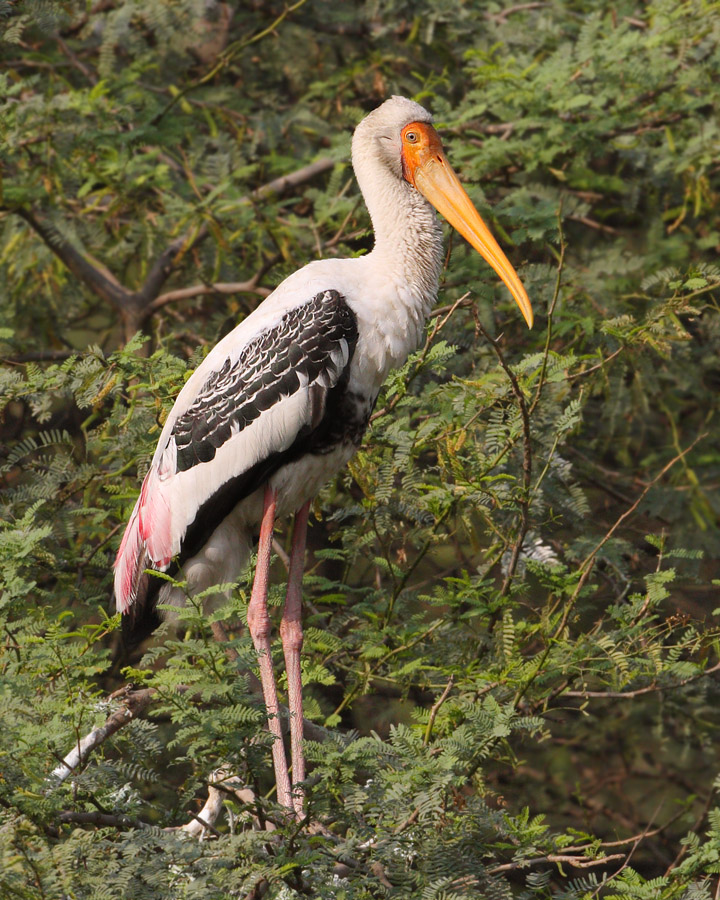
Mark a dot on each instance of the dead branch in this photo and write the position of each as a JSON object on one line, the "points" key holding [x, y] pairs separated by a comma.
{"points": [[222, 783], [132, 703], [204, 821], [577, 862]]}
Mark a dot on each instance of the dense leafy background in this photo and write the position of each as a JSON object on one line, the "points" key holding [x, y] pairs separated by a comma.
{"points": [[510, 603]]}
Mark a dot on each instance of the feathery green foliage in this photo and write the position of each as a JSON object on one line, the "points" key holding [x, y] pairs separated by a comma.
{"points": [[511, 644]]}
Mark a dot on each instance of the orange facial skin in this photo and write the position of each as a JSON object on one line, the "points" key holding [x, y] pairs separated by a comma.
{"points": [[420, 142]]}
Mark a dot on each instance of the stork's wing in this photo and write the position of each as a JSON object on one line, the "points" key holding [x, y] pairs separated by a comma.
{"points": [[233, 425]]}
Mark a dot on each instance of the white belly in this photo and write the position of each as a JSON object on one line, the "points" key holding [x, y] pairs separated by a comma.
{"points": [[226, 552]]}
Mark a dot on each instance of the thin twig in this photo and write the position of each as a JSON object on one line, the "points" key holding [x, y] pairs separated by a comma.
{"points": [[587, 565], [524, 499], [649, 689], [698, 822], [640, 838], [74, 61], [500, 17], [591, 223], [463, 303], [551, 312], [224, 59], [594, 368], [434, 709]]}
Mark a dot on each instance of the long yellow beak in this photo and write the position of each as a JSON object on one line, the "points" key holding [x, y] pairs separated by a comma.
{"points": [[426, 167]]}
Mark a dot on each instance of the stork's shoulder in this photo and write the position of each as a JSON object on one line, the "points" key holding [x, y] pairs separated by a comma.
{"points": [[336, 275]]}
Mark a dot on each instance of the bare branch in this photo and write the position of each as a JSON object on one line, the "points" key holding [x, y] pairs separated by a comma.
{"points": [[74, 61], [591, 223], [500, 17], [577, 862], [222, 783], [588, 564], [204, 821], [104, 820], [163, 266], [201, 290], [285, 182], [132, 703]]}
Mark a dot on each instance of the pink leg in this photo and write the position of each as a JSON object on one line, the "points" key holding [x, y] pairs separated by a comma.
{"points": [[292, 640], [259, 626]]}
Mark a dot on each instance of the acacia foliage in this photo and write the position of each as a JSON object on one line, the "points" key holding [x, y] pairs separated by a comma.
{"points": [[509, 606]]}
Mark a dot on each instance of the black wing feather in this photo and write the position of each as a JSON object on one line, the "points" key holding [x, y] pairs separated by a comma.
{"points": [[304, 342]]}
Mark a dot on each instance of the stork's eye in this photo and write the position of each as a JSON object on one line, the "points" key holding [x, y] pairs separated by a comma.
{"points": [[411, 137]]}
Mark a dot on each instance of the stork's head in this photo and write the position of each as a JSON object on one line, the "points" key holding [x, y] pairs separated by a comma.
{"points": [[402, 134]]}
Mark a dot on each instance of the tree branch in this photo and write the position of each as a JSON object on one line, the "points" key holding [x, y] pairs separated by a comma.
{"points": [[434, 711], [163, 266], [588, 563], [104, 820], [136, 306], [222, 783], [88, 270], [577, 862], [649, 689], [201, 290], [132, 703], [285, 182]]}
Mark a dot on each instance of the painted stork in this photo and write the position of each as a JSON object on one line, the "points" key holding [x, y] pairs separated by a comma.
{"points": [[282, 402]]}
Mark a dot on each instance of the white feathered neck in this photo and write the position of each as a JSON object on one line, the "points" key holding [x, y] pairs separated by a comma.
{"points": [[408, 236]]}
